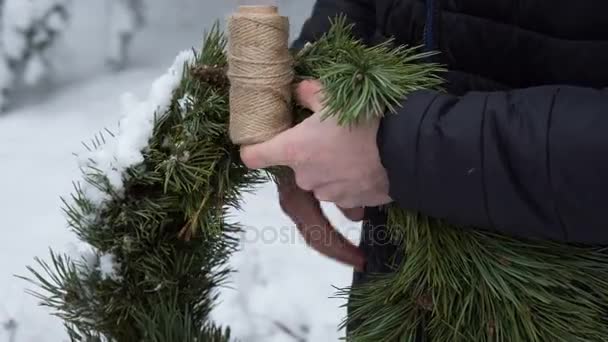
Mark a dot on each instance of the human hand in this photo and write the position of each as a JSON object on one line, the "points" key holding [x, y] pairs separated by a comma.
{"points": [[330, 163], [337, 164]]}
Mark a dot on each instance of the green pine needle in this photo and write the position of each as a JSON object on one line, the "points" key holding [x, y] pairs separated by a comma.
{"points": [[467, 285], [362, 82], [169, 232]]}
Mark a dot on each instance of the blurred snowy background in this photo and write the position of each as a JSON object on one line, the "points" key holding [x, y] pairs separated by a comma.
{"points": [[64, 65]]}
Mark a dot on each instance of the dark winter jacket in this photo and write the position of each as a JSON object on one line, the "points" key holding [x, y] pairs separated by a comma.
{"points": [[520, 143]]}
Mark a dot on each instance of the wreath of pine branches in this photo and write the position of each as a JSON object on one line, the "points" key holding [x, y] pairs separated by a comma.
{"points": [[170, 235]]}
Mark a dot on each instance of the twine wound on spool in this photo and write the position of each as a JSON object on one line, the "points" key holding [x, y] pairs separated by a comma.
{"points": [[260, 72]]}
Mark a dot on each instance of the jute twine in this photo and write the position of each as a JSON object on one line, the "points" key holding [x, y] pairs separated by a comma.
{"points": [[260, 73]]}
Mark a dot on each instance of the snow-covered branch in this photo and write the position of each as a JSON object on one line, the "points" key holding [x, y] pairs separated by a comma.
{"points": [[28, 28], [126, 17]]}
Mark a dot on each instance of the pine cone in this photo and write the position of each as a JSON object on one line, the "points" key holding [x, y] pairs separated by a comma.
{"points": [[214, 75]]}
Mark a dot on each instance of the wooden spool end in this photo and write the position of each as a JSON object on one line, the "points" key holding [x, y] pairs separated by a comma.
{"points": [[261, 9]]}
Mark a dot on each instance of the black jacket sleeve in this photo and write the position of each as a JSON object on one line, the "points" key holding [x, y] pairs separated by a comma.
{"points": [[359, 12], [529, 163]]}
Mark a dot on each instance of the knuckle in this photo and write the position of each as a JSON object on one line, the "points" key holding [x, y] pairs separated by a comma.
{"points": [[305, 90], [348, 204], [247, 157], [303, 182], [320, 196], [325, 195]]}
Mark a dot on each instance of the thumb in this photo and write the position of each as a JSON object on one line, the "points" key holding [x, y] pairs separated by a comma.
{"points": [[273, 152], [309, 94]]}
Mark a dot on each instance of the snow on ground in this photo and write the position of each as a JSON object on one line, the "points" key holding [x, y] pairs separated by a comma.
{"points": [[37, 166], [282, 289], [282, 284]]}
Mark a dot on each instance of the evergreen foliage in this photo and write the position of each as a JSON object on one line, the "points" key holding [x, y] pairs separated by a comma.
{"points": [[470, 285], [362, 82], [169, 232]]}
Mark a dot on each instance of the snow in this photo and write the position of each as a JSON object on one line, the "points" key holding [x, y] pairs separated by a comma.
{"points": [[282, 284], [6, 79], [134, 130], [37, 166], [34, 71], [84, 255], [185, 103], [19, 15], [55, 22], [109, 267], [24, 53], [125, 19], [282, 288]]}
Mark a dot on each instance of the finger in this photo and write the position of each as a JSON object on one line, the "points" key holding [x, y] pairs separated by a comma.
{"points": [[375, 199], [331, 192], [309, 94], [364, 200], [273, 152], [353, 214]]}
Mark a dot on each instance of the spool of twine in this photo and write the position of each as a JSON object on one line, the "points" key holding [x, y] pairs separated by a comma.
{"points": [[260, 72]]}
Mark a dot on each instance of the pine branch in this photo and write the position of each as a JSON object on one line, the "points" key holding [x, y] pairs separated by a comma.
{"points": [[169, 322], [481, 286], [362, 82], [162, 286]]}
